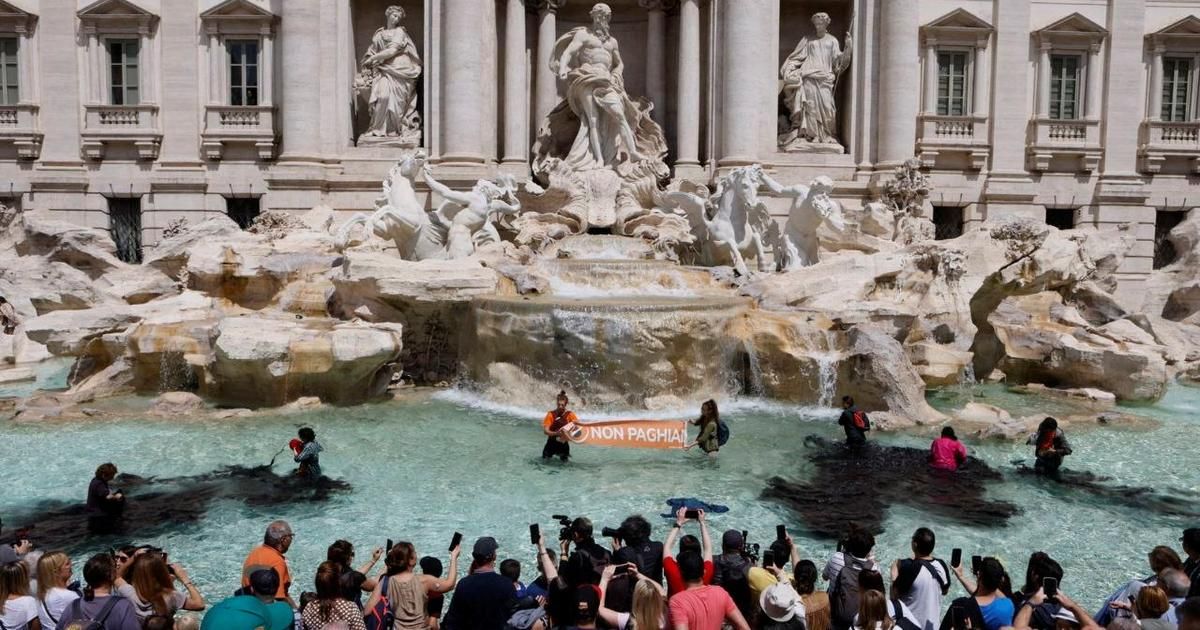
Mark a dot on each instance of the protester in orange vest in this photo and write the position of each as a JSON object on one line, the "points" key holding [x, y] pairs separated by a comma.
{"points": [[553, 426]]}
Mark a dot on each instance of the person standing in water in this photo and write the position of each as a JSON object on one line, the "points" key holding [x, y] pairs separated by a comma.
{"points": [[855, 422], [554, 425], [309, 456], [1050, 447], [946, 452], [709, 422]]}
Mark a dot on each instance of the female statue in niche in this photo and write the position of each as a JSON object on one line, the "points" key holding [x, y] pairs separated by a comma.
{"points": [[809, 77], [388, 78]]}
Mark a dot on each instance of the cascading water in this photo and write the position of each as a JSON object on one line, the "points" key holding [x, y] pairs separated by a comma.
{"points": [[827, 363]]}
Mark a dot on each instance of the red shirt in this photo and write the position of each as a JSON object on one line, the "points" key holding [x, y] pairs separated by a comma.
{"points": [[675, 582], [704, 608], [947, 454]]}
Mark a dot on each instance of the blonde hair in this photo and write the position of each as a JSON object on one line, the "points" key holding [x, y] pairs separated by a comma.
{"points": [[872, 610], [48, 569], [1151, 602], [14, 580], [648, 606]]}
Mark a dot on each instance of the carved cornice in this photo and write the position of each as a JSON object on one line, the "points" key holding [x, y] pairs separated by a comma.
{"points": [[657, 5]]}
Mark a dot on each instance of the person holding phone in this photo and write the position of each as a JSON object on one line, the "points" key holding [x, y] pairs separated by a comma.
{"points": [[1050, 447], [988, 607], [482, 599], [554, 425], [1026, 617], [1042, 571], [703, 546], [409, 592], [649, 609]]}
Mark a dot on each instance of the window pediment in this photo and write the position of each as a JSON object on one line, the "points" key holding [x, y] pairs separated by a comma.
{"points": [[957, 27], [117, 16], [1180, 35], [14, 19], [238, 16], [1074, 30]]}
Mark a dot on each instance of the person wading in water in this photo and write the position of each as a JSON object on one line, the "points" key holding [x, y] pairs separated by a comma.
{"points": [[554, 425]]}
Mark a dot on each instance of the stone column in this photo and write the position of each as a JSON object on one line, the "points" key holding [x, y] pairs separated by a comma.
{"points": [[1095, 86], [301, 104], [547, 82], [1043, 109], [181, 111], [931, 76], [516, 112], [1009, 190], [266, 70], [899, 22], [1126, 105], [468, 52], [745, 47], [687, 97], [1156, 82], [215, 91], [656, 55], [983, 76]]}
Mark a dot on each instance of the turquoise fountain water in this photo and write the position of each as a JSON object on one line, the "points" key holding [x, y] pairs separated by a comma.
{"points": [[427, 466]]}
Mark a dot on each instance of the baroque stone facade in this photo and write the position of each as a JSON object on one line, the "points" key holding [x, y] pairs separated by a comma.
{"points": [[129, 114]]}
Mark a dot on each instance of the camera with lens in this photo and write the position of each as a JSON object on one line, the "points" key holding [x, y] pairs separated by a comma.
{"points": [[613, 532], [567, 532]]}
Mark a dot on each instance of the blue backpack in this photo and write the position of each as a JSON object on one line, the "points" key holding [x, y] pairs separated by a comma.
{"points": [[722, 433]]}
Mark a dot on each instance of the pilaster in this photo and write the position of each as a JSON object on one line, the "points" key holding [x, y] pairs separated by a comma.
{"points": [[899, 78], [60, 60]]}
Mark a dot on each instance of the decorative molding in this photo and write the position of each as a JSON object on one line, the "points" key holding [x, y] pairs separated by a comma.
{"points": [[1075, 29], [959, 27], [657, 5], [240, 17], [15, 20], [116, 16], [1181, 35], [548, 5]]}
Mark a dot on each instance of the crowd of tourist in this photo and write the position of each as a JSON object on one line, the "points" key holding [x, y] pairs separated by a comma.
{"points": [[682, 583]]}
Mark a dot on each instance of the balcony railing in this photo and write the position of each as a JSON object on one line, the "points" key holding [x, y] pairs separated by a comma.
{"points": [[121, 124], [1065, 138], [225, 125], [954, 134], [19, 126], [1162, 141]]}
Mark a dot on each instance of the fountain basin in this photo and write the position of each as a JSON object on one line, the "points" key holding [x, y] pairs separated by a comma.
{"points": [[629, 352]]}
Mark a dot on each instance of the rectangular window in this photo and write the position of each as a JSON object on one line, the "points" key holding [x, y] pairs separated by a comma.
{"points": [[1061, 218], [125, 227], [243, 71], [10, 89], [952, 84], [1176, 89], [947, 222], [243, 210], [1064, 86], [124, 79]]}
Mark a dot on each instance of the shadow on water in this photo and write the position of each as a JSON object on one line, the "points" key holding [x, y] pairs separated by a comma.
{"points": [[158, 504], [860, 485], [1071, 485]]}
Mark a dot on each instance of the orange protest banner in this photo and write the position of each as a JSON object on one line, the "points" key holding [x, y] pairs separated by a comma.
{"points": [[660, 434]]}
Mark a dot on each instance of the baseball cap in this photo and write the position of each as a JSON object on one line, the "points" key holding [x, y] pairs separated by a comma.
{"points": [[484, 548], [8, 555], [732, 538], [587, 599]]}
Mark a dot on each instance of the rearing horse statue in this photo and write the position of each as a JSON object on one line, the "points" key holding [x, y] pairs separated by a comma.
{"points": [[732, 223]]}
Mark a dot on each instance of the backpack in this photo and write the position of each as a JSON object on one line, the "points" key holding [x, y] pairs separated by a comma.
{"points": [[937, 577], [381, 616], [734, 576], [722, 433], [902, 622], [860, 420], [83, 623], [844, 598]]}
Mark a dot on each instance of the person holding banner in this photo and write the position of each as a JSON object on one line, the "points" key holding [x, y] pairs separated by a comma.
{"points": [[709, 423], [555, 426]]}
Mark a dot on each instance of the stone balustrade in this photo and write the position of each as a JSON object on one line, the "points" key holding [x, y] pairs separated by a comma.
{"points": [[135, 125], [19, 126], [1175, 141], [1052, 139], [246, 125], [942, 135]]}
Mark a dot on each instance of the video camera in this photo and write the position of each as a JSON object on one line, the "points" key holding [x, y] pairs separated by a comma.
{"points": [[613, 532], [750, 550], [567, 532]]}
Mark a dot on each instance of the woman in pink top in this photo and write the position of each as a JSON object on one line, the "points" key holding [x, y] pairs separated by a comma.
{"points": [[947, 453]]}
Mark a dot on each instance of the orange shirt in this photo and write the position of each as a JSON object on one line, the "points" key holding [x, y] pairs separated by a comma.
{"points": [[264, 557], [549, 423]]}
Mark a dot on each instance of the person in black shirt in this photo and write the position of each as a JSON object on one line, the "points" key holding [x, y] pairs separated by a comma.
{"points": [[854, 422], [587, 562], [639, 549], [104, 505], [1191, 549], [482, 599]]}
